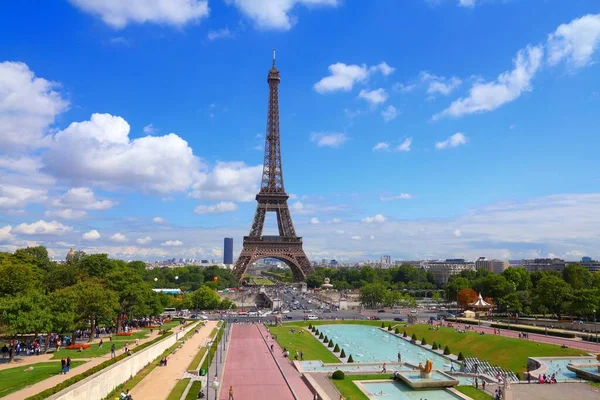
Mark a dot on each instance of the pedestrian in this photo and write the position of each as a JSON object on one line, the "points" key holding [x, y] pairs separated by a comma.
{"points": [[68, 364], [113, 351], [399, 357], [63, 365], [271, 348], [451, 366], [301, 355], [384, 369], [230, 392], [100, 345], [296, 355], [528, 377], [483, 384], [476, 383]]}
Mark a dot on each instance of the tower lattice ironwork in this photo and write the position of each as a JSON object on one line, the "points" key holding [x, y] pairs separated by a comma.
{"points": [[272, 197]]}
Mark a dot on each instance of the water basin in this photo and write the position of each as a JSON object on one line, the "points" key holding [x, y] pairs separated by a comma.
{"points": [[400, 391]]}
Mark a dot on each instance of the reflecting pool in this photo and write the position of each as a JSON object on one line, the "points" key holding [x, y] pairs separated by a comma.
{"points": [[400, 391]]}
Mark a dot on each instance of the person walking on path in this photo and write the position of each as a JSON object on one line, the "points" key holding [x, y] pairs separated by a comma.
{"points": [[399, 357], [483, 384], [63, 366], [230, 392], [301, 355], [68, 364], [100, 344], [113, 351]]}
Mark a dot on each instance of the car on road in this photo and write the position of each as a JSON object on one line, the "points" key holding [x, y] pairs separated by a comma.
{"points": [[381, 311], [374, 318], [285, 311], [326, 310], [399, 319], [312, 317]]}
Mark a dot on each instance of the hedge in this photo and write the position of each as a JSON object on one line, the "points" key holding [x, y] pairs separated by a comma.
{"points": [[338, 375], [535, 330], [336, 349], [321, 337], [460, 356], [71, 381], [350, 360], [413, 338], [213, 349], [396, 331], [330, 343], [342, 354], [423, 342], [325, 339], [404, 334], [389, 327], [310, 326], [447, 351], [435, 346], [382, 325]]}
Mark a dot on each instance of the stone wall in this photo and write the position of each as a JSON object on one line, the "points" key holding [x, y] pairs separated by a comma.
{"points": [[99, 385]]}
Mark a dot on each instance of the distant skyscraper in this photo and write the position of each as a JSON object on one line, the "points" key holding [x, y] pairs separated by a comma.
{"points": [[228, 251]]}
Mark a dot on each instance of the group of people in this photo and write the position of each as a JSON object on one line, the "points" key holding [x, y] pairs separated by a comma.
{"points": [[297, 355], [65, 365]]}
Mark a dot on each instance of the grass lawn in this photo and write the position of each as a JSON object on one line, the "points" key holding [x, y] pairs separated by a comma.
{"points": [[13, 379], [349, 390], [508, 353], [473, 393], [305, 342], [178, 390], [193, 393], [196, 361]]}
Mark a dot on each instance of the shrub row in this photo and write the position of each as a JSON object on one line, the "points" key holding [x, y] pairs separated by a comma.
{"points": [[534, 330], [71, 381], [213, 349]]}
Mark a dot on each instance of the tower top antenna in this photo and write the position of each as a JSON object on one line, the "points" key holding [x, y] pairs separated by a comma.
{"points": [[273, 57]]}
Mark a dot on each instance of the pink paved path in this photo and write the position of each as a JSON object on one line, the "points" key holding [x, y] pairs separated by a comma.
{"points": [[291, 373], [250, 368]]}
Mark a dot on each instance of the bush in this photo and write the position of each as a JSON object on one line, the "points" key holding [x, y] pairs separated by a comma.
{"points": [[460, 356], [423, 342], [330, 343], [396, 331], [404, 334], [447, 351], [350, 360], [389, 327], [325, 339], [317, 332], [310, 326], [435, 346], [342, 354], [321, 337], [338, 375], [382, 325], [413, 338], [336, 349]]}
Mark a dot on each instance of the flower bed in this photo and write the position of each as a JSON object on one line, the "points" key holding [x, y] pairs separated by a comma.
{"points": [[152, 326], [81, 346], [124, 333]]}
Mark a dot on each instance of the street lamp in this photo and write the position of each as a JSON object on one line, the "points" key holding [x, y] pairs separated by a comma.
{"points": [[595, 326], [215, 386]]}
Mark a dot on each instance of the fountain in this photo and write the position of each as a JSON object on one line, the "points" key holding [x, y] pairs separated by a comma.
{"points": [[426, 370]]}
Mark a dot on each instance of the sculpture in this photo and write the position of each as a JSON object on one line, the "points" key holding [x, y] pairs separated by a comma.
{"points": [[426, 370]]}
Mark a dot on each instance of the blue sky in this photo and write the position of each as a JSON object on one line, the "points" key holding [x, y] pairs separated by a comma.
{"points": [[418, 128]]}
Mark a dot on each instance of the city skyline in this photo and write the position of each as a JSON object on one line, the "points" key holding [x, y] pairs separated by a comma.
{"points": [[139, 132]]}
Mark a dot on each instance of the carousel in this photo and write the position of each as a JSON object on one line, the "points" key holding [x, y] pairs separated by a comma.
{"points": [[480, 307]]}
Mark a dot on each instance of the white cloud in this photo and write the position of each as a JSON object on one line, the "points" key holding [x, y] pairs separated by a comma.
{"points": [[150, 129], [384, 68], [28, 105], [172, 243], [82, 198], [100, 151], [222, 207], [275, 14], [91, 235], [576, 41], [466, 3], [457, 233], [223, 33], [381, 146], [229, 181], [158, 220], [42, 227], [314, 221], [356, 237], [405, 87], [389, 113], [508, 87], [344, 77], [118, 237], [439, 84], [374, 97], [325, 139], [401, 196], [405, 145], [335, 221], [458, 139], [144, 240], [5, 234], [297, 205], [119, 13], [12, 196], [376, 219], [65, 213]]}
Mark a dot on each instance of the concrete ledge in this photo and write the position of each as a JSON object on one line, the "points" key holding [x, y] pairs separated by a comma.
{"points": [[316, 387]]}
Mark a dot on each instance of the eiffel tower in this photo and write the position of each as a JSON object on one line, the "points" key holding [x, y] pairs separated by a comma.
{"points": [[286, 247]]}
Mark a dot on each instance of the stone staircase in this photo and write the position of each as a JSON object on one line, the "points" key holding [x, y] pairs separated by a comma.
{"points": [[485, 368]]}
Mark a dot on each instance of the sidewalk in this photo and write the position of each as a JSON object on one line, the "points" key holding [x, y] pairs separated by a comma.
{"points": [[159, 383], [55, 380]]}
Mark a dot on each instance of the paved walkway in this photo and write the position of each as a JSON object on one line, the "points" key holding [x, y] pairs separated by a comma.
{"points": [[251, 369], [56, 379], [159, 383], [561, 391]]}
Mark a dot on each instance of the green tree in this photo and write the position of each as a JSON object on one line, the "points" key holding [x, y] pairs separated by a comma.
{"points": [[60, 276], [93, 300], [511, 303], [553, 293], [96, 265], [577, 276], [585, 301], [17, 276], [519, 276], [37, 254], [205, 298], [135, 297], [25, 313], [372, 294], [456, 283], [494, 286]]}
